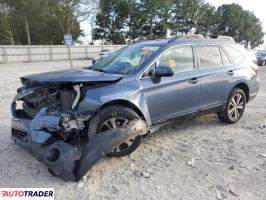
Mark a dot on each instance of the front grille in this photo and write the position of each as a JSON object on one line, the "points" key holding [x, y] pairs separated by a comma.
{"points": [[19, 134]]}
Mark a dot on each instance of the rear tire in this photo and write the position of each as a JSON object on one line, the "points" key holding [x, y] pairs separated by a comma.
{"points": [[111, 116], [235, 107]]}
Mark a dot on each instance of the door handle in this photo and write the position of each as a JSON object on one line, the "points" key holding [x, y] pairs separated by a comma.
{"points": [[193, 80], [230, 72]]}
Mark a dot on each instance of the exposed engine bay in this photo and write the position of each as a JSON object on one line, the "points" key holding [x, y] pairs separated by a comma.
{"points": [[55, 99], [53, 109]]}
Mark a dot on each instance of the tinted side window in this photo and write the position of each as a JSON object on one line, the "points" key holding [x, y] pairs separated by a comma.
{"points": [[225, 59], [209, 56], [179, 58], [236, 56]]}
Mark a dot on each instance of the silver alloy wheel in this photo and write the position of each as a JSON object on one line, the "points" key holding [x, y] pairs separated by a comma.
{"points": [[236, 106], [114, 123]]}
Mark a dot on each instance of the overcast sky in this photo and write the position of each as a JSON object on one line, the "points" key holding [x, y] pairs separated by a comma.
{"points": [[256, 6]]}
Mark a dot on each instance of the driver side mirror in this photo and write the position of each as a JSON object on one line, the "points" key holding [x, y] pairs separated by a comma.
{"points": [[163, 71]]}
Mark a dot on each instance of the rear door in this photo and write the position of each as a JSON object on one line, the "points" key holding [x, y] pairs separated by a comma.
{"points": [[216, 75], [169, 97]]}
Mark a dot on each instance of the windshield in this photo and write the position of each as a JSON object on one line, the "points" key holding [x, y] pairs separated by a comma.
{"points": [[125, 60]]}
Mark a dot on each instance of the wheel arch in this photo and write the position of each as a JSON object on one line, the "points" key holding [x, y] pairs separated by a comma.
{"points": [[127, 104], [243, 86]]}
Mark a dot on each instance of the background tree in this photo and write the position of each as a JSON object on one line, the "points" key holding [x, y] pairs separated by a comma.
{"points": [[153, 18], [68, 14], [129, 20], [6, 32], [123, 21], [242, 25], [20, 17], [155, 15], [134, 22], [111, 21], [185, 16], [206, 19], [252, 33], [230, 21], [42, 21]]}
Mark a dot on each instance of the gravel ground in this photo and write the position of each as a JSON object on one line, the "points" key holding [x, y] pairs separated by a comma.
{"points": [[196, 159]]}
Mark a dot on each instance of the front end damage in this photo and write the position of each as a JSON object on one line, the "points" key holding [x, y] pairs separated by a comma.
{"points": [[47, 124], [46, 113]]}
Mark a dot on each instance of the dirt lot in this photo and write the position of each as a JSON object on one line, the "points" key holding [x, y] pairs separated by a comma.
{"points": [[198, 159]]}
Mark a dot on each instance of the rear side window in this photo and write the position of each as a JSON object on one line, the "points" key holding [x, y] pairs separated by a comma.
{"points": [[179, 58], [209, 56], [236, 56], [225, 59]]}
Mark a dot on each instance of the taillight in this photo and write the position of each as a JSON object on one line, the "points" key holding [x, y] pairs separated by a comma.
{"points": [[255, 69]]}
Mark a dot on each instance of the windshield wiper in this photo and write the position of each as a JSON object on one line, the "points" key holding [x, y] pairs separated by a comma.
{"points": [[98, 70], [107, 72], [88, 67]]}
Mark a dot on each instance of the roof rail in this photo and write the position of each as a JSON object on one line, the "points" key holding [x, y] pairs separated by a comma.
{"points": [[201, 37], [223, 38], [187, 37]]}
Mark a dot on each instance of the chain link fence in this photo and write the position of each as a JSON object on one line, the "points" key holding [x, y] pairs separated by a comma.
{"points": [[36, 53]]}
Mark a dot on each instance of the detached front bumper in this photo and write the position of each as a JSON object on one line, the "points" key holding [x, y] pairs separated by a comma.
{"points": [[64, 160], [59, 156]]}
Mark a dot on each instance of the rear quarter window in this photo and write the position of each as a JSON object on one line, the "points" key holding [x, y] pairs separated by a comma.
{"points": [[235, 54]]}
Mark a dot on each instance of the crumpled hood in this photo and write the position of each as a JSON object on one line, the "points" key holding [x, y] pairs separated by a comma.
{"points": [[68, 77]]}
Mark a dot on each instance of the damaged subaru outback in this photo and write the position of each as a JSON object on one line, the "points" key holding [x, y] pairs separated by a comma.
{"points": [[157, 81]]}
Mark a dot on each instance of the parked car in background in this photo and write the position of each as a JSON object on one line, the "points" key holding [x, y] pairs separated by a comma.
{"points": [[103, 54], [156, 80], [261, 58]]}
